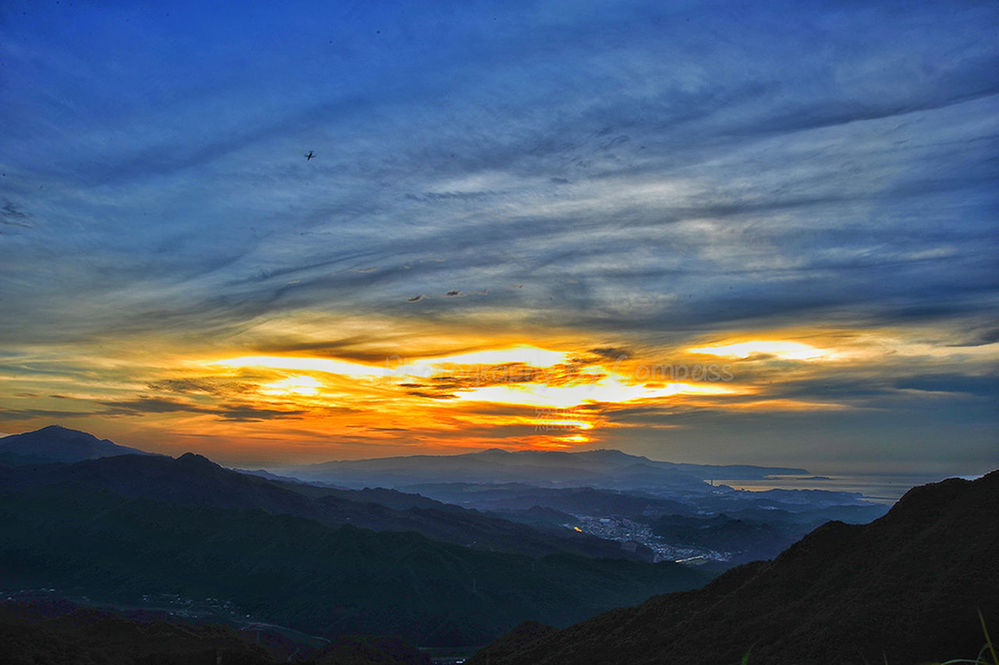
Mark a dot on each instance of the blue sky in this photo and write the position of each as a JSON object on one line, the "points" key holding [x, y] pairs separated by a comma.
{"points": [[580, 175]]}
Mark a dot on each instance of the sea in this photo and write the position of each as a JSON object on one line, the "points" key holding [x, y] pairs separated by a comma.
{"points": [[879, 488]]}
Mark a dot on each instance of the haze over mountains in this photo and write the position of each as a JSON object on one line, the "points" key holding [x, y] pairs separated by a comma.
{"points": [[193, 480], [906, 588], [609, 469], [456, 561], [152, 525], [534, 515]]}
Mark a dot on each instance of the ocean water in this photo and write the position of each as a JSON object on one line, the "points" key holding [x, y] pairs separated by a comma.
{"points": [[881, 488]]}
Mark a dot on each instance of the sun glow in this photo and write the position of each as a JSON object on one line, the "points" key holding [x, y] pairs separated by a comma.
{"points": [[784, 350], [558, 394], [305, 386], [607, 388], [544, 397]]}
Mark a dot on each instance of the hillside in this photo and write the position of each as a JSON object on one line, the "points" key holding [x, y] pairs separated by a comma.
{"points": [[300, 573], [52, 630], [194, 480], [905, 588], [63, 634], [58, 444]]}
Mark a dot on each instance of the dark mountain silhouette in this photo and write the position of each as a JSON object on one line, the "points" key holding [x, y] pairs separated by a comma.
{"points": [[64, 634], [611, 469], [905, 588], [194, 480], [58, 444], [53, 630], [745, 540], [726, 526], [300, 573], [366, 650], [512, 643]]}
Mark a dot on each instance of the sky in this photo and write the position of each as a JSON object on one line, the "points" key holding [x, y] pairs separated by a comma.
{"points": [[716, 232]]}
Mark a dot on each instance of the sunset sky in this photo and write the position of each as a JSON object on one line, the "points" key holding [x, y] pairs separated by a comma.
{"points": [[703, 232]]}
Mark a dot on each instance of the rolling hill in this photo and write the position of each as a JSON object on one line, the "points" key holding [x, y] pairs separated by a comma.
{"points": [[193, 480], [303, 574]]}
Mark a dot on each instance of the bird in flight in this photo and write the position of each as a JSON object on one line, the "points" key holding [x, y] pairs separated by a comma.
{"points": [[309, 155]]}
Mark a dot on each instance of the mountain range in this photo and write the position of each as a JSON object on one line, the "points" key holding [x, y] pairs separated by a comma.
{"points": [[607, 469], [514, 516], [58, 444], [905, 588], [303, 574], [129, 526], [194, 480], [106, 524]]}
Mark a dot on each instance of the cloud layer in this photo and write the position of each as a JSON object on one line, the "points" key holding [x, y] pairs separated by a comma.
{"points": [[641, 175]]}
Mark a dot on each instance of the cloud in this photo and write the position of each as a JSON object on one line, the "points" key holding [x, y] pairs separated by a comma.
{"points": [[978, 386], [629, 174], [226, 410]]}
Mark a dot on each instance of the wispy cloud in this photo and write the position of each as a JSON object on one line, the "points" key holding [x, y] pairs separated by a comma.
{"points": [[637, 176]]}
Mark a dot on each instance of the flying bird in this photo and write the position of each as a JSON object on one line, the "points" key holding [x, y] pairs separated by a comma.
{"points": [[309, 155], [416, 298]]}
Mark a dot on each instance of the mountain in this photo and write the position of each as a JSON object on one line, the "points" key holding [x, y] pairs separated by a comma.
{"points": [[194, 480], [299, 573], [53, 630], [63, 633], [607, 469], [367, 650], [511, 517], [58, 444], [718, 527], [742, 540], [905, 588], [507, 497], [510, 644]]}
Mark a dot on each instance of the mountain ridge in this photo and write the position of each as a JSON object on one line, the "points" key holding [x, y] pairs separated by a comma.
{"points": [[906, 587], [55, 443], [603, 468], [300, 573], [193, 480]]}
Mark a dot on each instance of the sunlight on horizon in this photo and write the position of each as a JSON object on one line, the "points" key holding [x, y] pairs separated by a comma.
{"points": [[555, 384], [784, 350]]}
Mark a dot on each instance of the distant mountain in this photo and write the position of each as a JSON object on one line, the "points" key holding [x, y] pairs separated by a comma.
{"points": [[905, 588], [508, 497], [58, 444], [194, 480], [608, 469], [719, 525], [300, 573]]}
